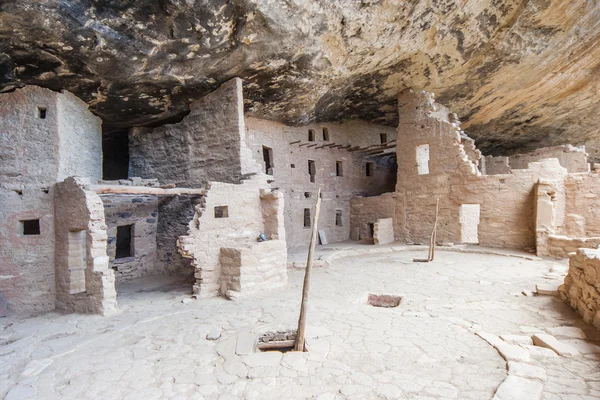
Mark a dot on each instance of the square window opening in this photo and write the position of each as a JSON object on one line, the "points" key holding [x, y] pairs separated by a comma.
{"points": [[339, 171], [369, 168], [30, 227], [41, 112], [221, 212], [124, 241], [338, 218], [311, 135], [326, 134], [307, 217], [293, 166]]}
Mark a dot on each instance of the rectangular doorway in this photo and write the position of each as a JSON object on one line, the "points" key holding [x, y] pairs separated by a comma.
{"points": [[469, 223], [268, 158], [124, 241]]}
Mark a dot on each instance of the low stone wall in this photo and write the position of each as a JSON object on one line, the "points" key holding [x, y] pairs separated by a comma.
{"points": [[384, 231], [261, 266], [580, 289], [562, 246]]}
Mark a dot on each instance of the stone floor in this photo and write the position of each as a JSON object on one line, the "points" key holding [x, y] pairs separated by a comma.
{"points": [[442, 342]]}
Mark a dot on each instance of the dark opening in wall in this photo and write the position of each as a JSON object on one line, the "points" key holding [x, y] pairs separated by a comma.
{"points": [[221, 212], [307, 217], [369, 168], [30, 227], [338, 218], [339, 171], [326, 134], [371, 230], [383, 138], [124, 241], [41, 111], [312, 170], [311, 135], [268, 158], [293, 166], [115, 155]]}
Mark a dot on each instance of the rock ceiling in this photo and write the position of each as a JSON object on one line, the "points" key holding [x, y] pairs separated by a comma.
{"points": [[521, 74]]}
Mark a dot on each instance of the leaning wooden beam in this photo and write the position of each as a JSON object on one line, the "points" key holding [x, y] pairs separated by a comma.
{"points": [[431, 252], [122, 189], [299, 345]]}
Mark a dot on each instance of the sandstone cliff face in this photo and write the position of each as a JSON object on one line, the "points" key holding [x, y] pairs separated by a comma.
{"points": [[520, 73]]}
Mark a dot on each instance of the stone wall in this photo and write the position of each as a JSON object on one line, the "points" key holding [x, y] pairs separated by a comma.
{"points": [[583, 204], [232, 216], [580, 289], [84, 281], [39, 144], [141, 213], [290, 172], [574, 159], [383, 231], [366, 211], [207, 145]]}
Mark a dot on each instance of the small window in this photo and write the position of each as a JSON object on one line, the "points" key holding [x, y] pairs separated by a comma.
{"points": [[124, 241], [338, 169], [293, 166], [338, 218], [311, 135], [30, 227], [221, 212], [41, 112], [308, 195], [369, 168], [312, 170], [383, 138], [326, 134], [307, 217]]}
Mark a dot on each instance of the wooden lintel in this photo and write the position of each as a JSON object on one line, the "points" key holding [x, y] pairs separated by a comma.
{"points": [[303, 144], [311, 145], [122, 189], [297, 141]]}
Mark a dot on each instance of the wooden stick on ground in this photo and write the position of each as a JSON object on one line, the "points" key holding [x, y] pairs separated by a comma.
{"points": [[431, 252], [299, 345]]}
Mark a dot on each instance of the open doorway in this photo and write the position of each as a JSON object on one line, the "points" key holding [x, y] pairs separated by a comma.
{"points": [[268, 159], [469, 223], [115, 155]]}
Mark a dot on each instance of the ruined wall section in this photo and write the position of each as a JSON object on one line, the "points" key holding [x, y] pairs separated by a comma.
{"points": [[231, 216], [205, 146], [582, 205], [495, 165], [573, 158], [580, 289], [366, 211], [429, 154], [31, 154], [84, 281], [141, 214], [290, 155]]}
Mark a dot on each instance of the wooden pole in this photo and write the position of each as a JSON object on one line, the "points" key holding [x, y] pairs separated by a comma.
{"points": [[434, 233], [299, 345], [123, 189]]}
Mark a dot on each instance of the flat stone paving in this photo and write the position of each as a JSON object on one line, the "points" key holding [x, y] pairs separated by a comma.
{"points": [[427, 348]]}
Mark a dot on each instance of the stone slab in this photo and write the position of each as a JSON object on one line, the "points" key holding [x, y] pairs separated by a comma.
{"points": [[550, 342], [518, 388]]}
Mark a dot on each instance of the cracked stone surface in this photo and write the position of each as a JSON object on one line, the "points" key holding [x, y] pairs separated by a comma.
{"points": [[426, 348]]}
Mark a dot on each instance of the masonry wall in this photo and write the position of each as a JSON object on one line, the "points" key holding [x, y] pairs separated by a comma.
{"points": [[290, 151], [84, 281], [367, 210], [583, 204], [141, 213], [236, 227], [574, 159], [206, 145], [34, 159], [580, 289]]}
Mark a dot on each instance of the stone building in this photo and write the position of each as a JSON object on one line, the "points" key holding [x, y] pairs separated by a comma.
{"points": [[197, 194]]}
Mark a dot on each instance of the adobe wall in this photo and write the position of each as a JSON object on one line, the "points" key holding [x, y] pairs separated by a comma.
{"points": [[142, 213], [495, 165], [84, 281], [290, 171], [207, 145], [238, 227], [36, 153]]}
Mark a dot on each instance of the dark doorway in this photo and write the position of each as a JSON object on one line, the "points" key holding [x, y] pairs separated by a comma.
{"points": [[124, 236], [312, 170], [115, 155], [371, 230], [268, 158], [307, 217]]}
